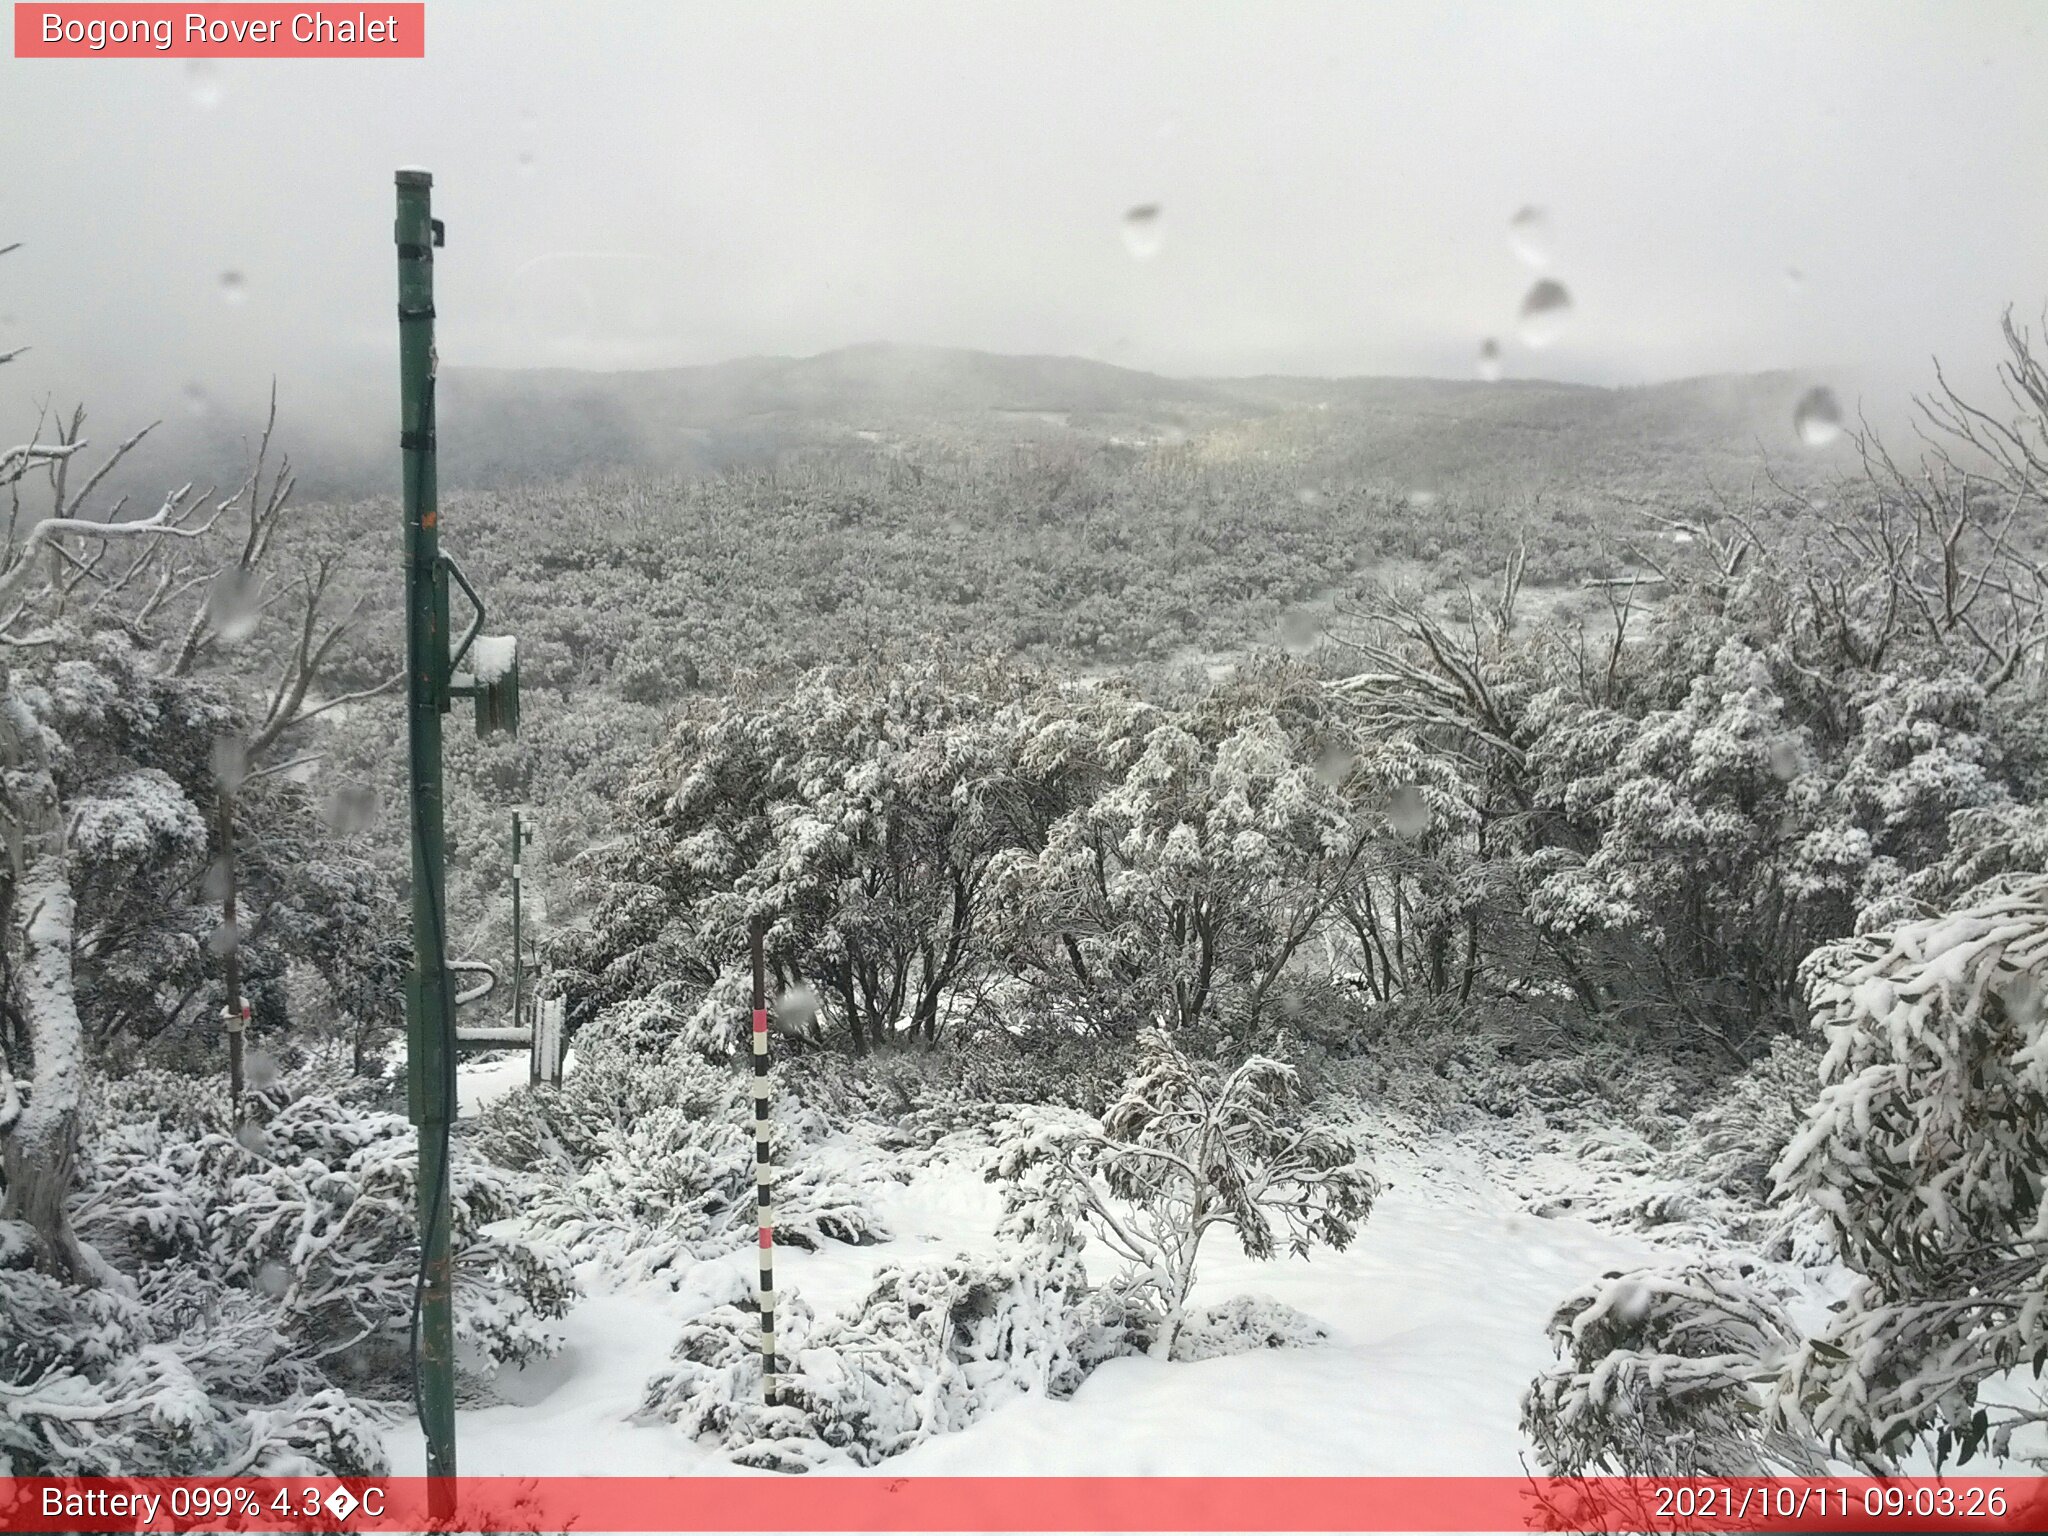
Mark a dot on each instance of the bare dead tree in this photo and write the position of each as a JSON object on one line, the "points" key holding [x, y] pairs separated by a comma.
{"points": [[1952, 539], [260, 503]]}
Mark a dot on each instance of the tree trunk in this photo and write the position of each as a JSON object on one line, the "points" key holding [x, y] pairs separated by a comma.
{"points": [[231, 1014], [40, 1148], [860, 1040]]}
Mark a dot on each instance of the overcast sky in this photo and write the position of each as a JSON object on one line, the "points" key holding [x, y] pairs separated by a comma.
{"points": [[634, 185]]}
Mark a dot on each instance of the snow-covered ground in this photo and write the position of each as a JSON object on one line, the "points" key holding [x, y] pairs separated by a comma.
{"points": [[479, 1082], [1436, 1313]]}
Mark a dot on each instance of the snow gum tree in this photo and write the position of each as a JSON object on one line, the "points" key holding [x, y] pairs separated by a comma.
{"points": [[111, 772], [1220, 843], [861, 810], [74, 704]]}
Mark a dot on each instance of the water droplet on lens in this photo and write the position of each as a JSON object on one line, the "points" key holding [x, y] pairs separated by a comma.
{"points": [[252, 1137], [1545, 310], [1308, 495], [797, 1008], [1408, 813], [1300, 630], [202, 79], [262, 1069], [223, 938], [1631, 1301], [273, 1279], [230, 762], [215, 886], [1334, 765], [1795, 279], [1529, 236], [1488, 366], [234, 288], [351, 809], [526, 160], [235, 603], [1817, 418], [1144, 233], [196, 403]]}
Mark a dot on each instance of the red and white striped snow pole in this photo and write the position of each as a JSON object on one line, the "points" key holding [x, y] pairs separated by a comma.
{"points": [[764, 1198]]}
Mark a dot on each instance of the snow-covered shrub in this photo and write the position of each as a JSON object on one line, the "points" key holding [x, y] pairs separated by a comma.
{"points": [[1663, 1373], [1187, 1148], [923, 1096], [323, 1209], [1735, 1140], [1732, 1143], [311, 1204], [1437, 1063], [646, 1161], [180, 1375], [931, 1348], [713, 1387], [1243, 1324]]}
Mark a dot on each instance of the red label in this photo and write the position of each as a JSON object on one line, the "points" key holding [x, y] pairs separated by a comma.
{"points": [[820, 1502], [374, 31]]}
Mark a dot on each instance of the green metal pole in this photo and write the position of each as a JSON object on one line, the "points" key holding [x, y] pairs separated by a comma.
{"points": [[430, 1045]]}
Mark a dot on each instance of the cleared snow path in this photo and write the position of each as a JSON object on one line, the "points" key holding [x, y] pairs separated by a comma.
{"points": [[1436, 1312]]}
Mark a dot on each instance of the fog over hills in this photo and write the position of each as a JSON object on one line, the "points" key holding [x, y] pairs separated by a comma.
{"points": [[1515, 437]]}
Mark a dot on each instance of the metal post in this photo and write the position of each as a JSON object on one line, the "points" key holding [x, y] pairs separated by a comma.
{"points": [[764, 1198], [430, 1045], [520, 836]]}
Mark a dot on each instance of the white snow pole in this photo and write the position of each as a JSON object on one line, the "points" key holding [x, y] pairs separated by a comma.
{"points": [[764, 1199], [549, 1013]]}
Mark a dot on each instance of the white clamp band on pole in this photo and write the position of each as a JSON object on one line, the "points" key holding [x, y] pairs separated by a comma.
{"points": [[235, 1020]]}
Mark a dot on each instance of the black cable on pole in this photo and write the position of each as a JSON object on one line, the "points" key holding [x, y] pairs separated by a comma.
{"points": [[436, 1205]]}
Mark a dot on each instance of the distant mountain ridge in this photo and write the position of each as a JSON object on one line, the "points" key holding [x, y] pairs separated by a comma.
{"points": [[500, 426]]}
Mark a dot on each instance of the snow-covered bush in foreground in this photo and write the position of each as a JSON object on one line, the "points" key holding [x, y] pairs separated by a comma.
{"points": [[310, 1204], [930, 1349], [646, 1159], [1924, 1155], [175, 1376], [1186, 1149], [1662, 1375]]}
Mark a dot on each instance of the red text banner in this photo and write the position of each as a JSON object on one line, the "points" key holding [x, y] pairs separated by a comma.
{"points": [[925, 1504], [103, 31]]}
